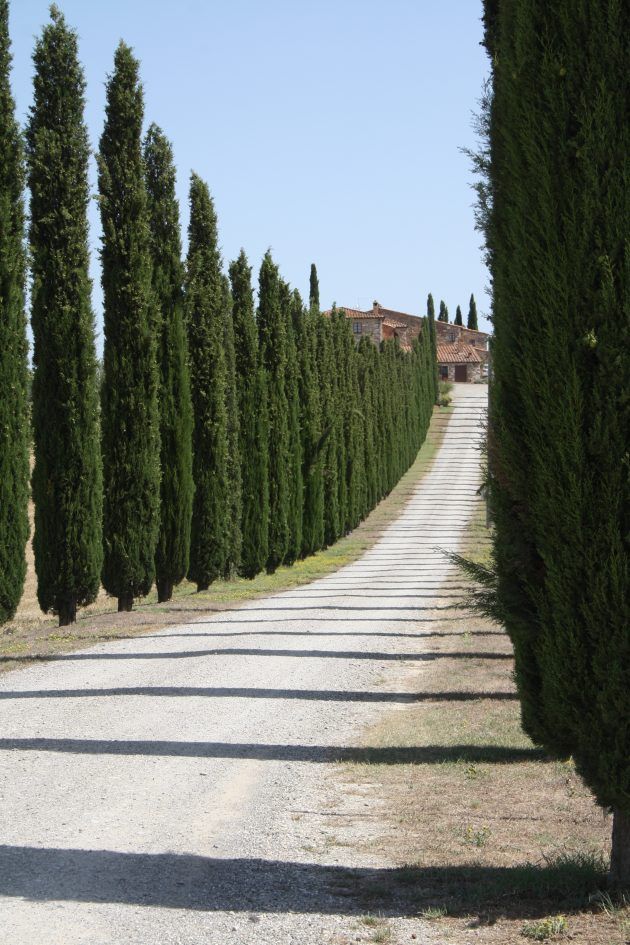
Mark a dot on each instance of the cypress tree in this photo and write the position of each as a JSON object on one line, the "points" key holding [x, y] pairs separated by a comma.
{"points": [[305, 327], [432, 343], [293, 312], [556, 234], [176, 488], [14, 376], [472, 314], [443, 316], [67, 477], [234, 480], [129, 417], [458, 316], [252, 404], [273, 349], [313, 295], [328, 442], [205, 316]]}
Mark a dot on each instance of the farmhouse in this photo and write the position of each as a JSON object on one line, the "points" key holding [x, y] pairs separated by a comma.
{"points": [[379, 324], [462, 353]]}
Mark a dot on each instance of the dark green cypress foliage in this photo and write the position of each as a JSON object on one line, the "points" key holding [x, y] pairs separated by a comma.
{"points": [[253, 435], [130, 422], [339, 325], [311, 425], [14, 378], [292, 308], [313, 295], [176, 489], [273, 349], [472, 314], [210, 539], [430, 324], [328, 448], [458, 316], [67, 477], [234, 479], [556, 160], [443, 316], [367, 356]]}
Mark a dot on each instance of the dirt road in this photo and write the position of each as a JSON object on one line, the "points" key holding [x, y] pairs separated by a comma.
{"points": [[166, 789]]}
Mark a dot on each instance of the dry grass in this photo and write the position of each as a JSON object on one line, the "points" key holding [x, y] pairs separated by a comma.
{"points": [[32, 634], [495, 843]]}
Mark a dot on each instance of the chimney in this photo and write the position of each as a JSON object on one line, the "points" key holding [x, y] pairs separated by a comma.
{"points": [[375, 307]]}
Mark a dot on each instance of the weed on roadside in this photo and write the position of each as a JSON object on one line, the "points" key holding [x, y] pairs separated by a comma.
{"points": [[544, 929]]}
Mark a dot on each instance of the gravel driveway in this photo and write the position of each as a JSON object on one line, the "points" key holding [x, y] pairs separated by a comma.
{"points": [[167, 788]]}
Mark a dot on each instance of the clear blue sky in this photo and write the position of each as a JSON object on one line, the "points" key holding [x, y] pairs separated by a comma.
{"points": [[329, 131]]}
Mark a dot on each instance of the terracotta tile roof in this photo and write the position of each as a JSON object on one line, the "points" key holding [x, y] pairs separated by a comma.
{"points": [[353, 312], [458, 354], [392, 323]]}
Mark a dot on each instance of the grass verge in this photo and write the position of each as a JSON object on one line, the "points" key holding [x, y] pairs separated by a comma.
{"points": [[490, 841], [32, 634]]}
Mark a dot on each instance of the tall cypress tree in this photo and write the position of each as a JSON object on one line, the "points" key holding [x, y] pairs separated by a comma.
{"points": [[205, 315], [432, 343], [330, 427], [458, 316], [14, 426], [253, 434], [176, 488], [443, 315], [67, 477], [234, 479], [130, 422], [313, 294], [472, 314], [305, 328], [556, 160], [273, 350], [293, 309]]}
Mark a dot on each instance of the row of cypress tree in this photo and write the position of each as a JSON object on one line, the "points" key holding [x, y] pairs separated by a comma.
{"points": [[226, 440], [471, 322], [554, 209]]}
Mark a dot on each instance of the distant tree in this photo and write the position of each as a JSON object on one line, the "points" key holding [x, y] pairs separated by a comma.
{"points": [[313, 295], [234, 478], [458, 316], [472, 314], [253, 434], [176, 489], [443, 315], [67, 477], [205, 316], [273, 350], [14, 374], [130, 421]]}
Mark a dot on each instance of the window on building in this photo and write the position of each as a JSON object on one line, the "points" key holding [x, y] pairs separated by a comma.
{"points": [[452, 336], [357, 328], [443, 372]]}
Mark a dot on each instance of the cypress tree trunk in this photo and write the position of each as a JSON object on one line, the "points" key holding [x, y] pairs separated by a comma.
{"points": [[67, 478], [556, 232], [252, 403], [14, 425], [175, 407], [620, 854], [130, 422], [273, 349], [205, 313]]}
